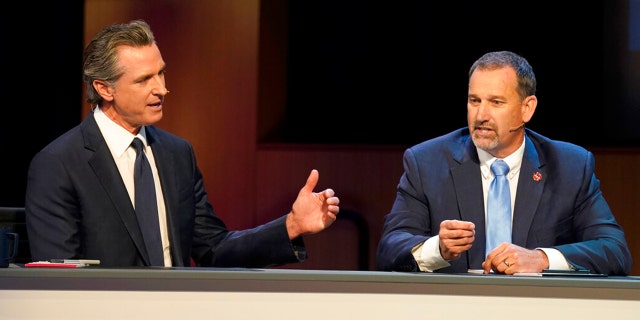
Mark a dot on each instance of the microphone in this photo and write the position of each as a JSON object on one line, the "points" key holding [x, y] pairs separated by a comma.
{"points": [[518, 127]]}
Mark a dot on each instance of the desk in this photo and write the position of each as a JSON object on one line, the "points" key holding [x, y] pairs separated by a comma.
{"points": [[190, 293]]}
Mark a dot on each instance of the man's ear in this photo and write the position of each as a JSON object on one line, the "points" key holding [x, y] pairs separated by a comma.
{"points": [[529, 108], [104, 89]]}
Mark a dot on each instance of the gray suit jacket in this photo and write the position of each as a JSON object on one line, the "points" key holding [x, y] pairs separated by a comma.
{"points": [[564, 209], [77, 207]]}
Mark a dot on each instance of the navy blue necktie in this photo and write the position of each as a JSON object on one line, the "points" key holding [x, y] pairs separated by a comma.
{"points": [[498, 207], [146, 205]]}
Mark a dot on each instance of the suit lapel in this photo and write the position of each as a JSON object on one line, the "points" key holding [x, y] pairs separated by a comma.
{"points": [[108, 175], [467, 182], [530, 187]]}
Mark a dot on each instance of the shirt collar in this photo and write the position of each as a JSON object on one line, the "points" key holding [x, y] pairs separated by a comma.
{"points": [[514, 161], [118, 138]]}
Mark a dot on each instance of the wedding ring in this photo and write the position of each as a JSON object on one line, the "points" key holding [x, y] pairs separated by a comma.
{"points": [[507, 263]]}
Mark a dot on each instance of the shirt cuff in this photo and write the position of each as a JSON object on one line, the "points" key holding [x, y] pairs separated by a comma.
{"points": [[427, 255], [557, 260]]}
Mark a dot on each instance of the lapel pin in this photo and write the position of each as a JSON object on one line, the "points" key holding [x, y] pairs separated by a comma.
{"points": [[537, 176]]}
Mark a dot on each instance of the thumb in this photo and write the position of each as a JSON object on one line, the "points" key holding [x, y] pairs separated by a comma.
{"points": [[312, 181]]}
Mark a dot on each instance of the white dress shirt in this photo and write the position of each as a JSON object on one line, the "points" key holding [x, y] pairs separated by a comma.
{"points": [[119, 142]]}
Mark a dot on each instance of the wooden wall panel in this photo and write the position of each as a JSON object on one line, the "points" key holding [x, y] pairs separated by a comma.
{"points": [[619, 174], [364, 179]]}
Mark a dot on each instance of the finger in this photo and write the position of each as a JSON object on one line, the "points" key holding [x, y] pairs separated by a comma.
{"points": [[312, 181], [457, 224], [486, 266], [457, 234], [329, 195]]}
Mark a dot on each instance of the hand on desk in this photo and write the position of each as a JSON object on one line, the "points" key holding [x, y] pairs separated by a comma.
{"points": [[509, 258]]}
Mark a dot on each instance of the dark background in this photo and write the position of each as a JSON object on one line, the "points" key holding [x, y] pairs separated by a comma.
{"points": [[42, 88], [396, 73], [386, 73]]}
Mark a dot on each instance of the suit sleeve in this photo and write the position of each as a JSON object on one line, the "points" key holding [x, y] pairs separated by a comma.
{"points": [[404, 227], [52, 215], [600, 244]]}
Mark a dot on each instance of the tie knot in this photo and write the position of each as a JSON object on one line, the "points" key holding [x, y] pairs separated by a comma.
{"points": [[137, 144], [499, 168]]}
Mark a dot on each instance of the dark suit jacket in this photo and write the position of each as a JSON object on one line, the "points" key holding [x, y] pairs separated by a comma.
{"points": [[77, 207], [565, 209]]}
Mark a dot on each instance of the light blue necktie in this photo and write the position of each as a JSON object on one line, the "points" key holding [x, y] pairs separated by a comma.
{"points": [[498, 207]]}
